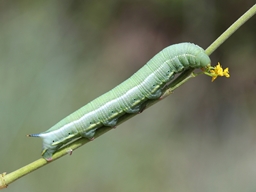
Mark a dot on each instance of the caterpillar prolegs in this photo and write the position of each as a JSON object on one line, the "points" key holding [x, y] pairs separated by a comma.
{"points": [[128, 97]]}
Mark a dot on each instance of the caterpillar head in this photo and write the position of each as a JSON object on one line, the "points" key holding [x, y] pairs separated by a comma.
{"points": [[203, 59]]}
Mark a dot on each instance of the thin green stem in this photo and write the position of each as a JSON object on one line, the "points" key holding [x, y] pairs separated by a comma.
{"points": [[6, 179], [236, 25], [11, 177]]}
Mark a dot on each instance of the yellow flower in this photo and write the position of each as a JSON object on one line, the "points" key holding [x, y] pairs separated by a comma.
{"points": [[226, 73], [216, 71]]}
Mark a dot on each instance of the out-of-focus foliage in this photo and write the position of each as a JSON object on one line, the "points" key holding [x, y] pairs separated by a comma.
{"points": [[55, 56]]}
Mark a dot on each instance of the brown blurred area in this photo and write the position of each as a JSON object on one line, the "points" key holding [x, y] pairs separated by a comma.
{"points": [[55, 56]]}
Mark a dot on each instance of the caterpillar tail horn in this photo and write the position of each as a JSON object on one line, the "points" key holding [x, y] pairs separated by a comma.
{"points": [[33, 135]]}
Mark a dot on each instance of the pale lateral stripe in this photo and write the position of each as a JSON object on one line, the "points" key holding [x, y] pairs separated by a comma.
{"points": [[92, 113]]}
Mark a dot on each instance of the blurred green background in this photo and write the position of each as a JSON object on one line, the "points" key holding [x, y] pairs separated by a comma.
{"points": [[55, 56]]}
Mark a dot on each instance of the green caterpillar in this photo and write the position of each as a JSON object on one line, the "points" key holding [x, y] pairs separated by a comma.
{"points": [[128, 97]]}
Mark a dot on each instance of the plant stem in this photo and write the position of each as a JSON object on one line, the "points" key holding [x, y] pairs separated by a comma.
{"points": [[11, 177], [6, 179], [236, 25]]}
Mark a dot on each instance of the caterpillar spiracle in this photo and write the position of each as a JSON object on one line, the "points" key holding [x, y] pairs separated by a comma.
{"points": [[130, 96]]}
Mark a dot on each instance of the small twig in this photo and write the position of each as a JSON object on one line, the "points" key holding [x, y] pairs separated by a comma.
{"points": [[235, 26]]}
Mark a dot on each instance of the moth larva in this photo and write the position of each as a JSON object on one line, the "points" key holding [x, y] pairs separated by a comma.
{"points": [[128, 97]]}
